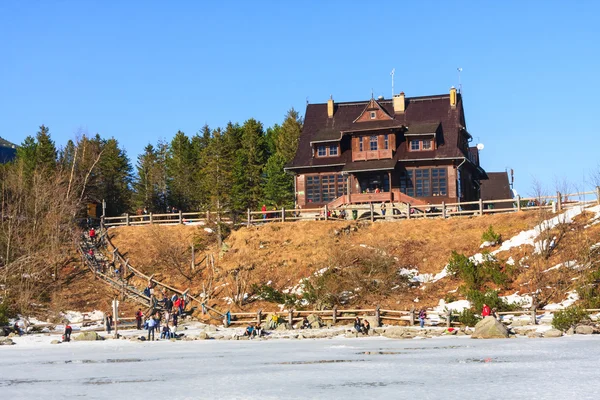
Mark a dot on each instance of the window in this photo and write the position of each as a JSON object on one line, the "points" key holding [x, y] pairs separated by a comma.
{"points": [[386, 142], [421, 145], [426, 182], [333, 150], [321, 151], [438, 182], [373, 143], [325, 188], [426, 144], [360, 143], [373, 115], [414, 145]]}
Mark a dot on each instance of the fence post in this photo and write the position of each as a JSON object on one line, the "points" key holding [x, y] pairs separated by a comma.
{"points": [[480, 206], [207, 216], [378, 316], [372, 212], [412, 315], [334, 315], [226, 319], [444, 209], [408, 211], [291, 317], [325, 210], [448, 318], [559, 201], [127, 219], [102, 222], [259, 317], [180, 217], [533, 317], [151, 219], [248, 218], [518, 202], [282, 214], [598, 194]]}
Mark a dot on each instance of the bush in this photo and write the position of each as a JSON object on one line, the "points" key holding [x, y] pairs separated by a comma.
{"points": [[462, 267], [468, 317], [491, 236], [491, 298], [5, 313], [569, 317], [270, 294]]}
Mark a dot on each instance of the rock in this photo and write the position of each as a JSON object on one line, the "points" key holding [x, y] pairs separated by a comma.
{"points": [[315, 321], [283, 327], [534, 334], [521, 322], [394, 332], [12, 334], [88, 336], [570, 331], [55, 341], [584, 330], [203, 336], [489, 328], [460, 333], [6, 342], [552, 333]]}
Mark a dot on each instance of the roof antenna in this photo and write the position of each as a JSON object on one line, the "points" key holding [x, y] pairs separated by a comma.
{"points": [[392, 74], [459, 69], [372, 94], [306, 100]]}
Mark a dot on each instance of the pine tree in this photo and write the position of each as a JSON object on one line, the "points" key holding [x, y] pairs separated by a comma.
{"points": [[279, 186], [180, 167], [146, 188], [45, 151], [289, 135], [26, 156], [114, 178]]}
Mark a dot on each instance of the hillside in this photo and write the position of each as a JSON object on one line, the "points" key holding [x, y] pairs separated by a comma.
{"points": [[357, 257]]}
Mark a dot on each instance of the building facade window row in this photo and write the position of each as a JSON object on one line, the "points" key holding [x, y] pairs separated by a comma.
{"points": [[424, 182], [325, 188]]}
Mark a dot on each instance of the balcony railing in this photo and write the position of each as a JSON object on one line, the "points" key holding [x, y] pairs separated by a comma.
{"points": [[372, 155]]}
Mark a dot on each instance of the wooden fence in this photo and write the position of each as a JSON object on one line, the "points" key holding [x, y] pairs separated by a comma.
{"points": [[371, 211]]}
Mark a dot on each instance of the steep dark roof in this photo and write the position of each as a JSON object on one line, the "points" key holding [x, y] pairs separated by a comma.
{"points": [[497, 187], [421, 114], [422, 129]]}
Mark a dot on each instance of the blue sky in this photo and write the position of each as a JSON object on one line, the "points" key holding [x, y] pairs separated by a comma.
{"points": [[140, 71]]}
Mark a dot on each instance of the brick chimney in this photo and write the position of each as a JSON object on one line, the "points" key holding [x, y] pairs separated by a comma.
{"points": [[399, 103], [330, 107], [453, 97]]}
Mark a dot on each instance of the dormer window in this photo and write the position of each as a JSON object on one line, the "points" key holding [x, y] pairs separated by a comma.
{"points": [[421, 145], [373, 115], [321, 151], [426, 144], [333, 150], [329, 150]]}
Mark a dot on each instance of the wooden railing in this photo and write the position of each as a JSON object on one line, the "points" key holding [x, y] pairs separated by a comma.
{"points": [[372, 210]]}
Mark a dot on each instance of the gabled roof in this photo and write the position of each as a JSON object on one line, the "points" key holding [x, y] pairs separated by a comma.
{"points": [[497, 187], [421, 114], [373, 106]]}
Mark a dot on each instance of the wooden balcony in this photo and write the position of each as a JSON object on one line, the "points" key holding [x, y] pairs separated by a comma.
{"points": [[372, 155]]}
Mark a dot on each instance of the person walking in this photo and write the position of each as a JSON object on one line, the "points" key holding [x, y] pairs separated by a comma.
{"points": [[108, 321], [422, 316], [67, 334], [92, 235]]}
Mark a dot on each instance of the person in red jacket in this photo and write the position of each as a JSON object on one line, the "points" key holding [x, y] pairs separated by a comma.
{"points": [[93, 235], [486, 311]]}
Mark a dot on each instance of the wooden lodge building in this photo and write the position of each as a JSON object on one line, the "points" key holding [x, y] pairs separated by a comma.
{"points": [[409, 149]]}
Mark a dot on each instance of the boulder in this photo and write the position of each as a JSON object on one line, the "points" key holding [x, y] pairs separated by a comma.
{"points": [[12, 334], [55, 341], [394, 332], [315, 321], [552, 333], [203, 336], [6, 342], [534, 334], [87, 336], [584, 330], [283, 327], [489, 328], [570, 331]]}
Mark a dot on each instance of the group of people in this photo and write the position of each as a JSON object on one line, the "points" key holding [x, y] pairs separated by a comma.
{"points": [[362, 327], [253, 330], [153, 324], [486, 311]]}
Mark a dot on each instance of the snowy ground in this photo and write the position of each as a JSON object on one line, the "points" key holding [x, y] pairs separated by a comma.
{"points": [[449, 367]]}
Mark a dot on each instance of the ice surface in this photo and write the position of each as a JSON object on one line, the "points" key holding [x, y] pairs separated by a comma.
{"points": [[372, 368]]}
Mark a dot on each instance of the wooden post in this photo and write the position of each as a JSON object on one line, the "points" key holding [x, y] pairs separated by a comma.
{"points": [[334, 315], [559, 201], [180, 217], [444, 209], [518, 202], [226, 319], [412, 315], [598, 194], [480, 206], [448, 318], [151, 219], [259, 317], [291, 317], [533, 316], [207, 217], [282, 214], [193, 258], [372, 207], [114, 254], [378, 316], [127, 219], [102, 222], [249, 217], [115, 310], [325, 210], [408, 211]]}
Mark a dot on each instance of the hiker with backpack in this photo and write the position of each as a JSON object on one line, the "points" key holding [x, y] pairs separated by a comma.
{"points": [[92, 235]]}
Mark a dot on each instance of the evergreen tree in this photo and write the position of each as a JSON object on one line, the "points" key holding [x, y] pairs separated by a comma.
{"points": [[279, 186], [45, 151], [289, 135], [26, 156], [271, 139], [180, 167], [66, 156], [114, 178], [146, 188]]}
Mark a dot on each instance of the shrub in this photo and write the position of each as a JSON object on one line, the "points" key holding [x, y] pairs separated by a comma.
{"points": [[270, 294], [491, 298], [5, 313], [462, 267], [491, 236], [468, 317], [569, 317]]}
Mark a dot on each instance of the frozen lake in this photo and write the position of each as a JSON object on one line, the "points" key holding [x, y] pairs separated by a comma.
{"points": [[452, 367]]}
